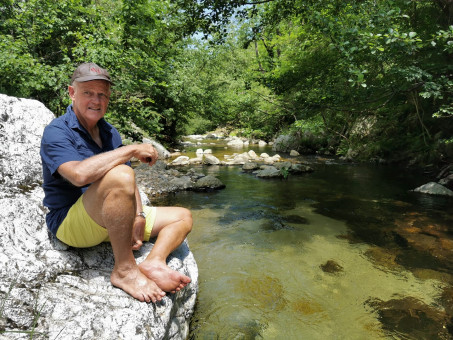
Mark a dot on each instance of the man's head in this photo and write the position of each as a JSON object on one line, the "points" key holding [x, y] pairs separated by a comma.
{"points": [[90, 71], [90, 93]]}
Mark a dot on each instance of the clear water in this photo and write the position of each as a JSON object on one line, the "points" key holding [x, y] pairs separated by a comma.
{"points": [[261, 245]]}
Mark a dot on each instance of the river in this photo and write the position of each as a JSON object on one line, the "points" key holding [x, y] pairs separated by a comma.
{"points": [[315, 256]]}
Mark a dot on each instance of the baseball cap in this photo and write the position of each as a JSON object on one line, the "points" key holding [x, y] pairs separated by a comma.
{"points": [[90, 71]]}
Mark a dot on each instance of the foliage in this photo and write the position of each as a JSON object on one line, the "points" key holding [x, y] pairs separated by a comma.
{"points": [[135, 40], [340, 62], [316, 69]]}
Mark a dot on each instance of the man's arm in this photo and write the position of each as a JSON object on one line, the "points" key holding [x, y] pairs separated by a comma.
{"points": [[84, 172]]}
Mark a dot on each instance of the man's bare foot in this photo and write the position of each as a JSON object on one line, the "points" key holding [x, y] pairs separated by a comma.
{"points": [[167, 279], [136, 284]]}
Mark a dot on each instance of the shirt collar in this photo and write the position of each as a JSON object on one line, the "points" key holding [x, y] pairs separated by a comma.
{"points": [[74, 123]]}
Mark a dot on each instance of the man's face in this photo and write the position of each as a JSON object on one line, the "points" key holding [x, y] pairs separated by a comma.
{"points": [[90, 100]]}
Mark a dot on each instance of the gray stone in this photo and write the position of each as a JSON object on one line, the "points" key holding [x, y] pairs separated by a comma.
{"points": [[66, 292], [300, 168], [433, 188], [250, 166], [281, 165], [447, 181], [268, 172], [180, 183], [285, 143], [208, 182]]}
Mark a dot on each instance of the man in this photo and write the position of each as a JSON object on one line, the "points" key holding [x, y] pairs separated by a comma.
{"points": [[92, 196]]}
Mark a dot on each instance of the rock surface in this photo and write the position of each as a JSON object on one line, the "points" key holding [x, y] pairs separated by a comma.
{"points": [[434, 188], [51, 289], [285, 143], [158, 180]]}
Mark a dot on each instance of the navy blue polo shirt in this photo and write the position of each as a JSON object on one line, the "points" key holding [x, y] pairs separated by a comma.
{"points": [[65, 140]]}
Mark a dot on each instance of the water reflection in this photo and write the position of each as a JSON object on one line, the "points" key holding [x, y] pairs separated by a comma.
{"points": [[262, 245]]}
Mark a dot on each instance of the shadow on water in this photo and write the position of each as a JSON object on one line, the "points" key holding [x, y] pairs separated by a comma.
{"points": [[264, 249]]}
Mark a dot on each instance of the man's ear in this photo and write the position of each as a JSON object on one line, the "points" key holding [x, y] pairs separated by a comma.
{"points": [[71, 90]]}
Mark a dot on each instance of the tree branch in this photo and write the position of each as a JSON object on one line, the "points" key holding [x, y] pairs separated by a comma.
{"points": [[257, 2]]}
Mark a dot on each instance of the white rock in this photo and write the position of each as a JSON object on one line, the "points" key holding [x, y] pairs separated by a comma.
{"points": [[434, 188], [210, 160], [181, 160], [236, 142], [70, 288], [252, 154]]}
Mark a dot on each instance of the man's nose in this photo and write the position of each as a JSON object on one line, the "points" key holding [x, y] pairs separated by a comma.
{"points": [[96, 98]]}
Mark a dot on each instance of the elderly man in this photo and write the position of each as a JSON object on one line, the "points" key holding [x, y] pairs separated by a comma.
{"points": [[92, 196]]}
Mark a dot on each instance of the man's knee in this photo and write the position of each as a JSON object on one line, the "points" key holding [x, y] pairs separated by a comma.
{"points": [[186, 215], [121, 177]]}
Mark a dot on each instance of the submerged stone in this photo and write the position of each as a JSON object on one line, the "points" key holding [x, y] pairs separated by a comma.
{"points": [[331, 267], [296, 219], [412, 318], [266, 291]]}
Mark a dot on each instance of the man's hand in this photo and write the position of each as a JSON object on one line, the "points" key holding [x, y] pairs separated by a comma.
{"points": [[146, 153], [138, 232]]}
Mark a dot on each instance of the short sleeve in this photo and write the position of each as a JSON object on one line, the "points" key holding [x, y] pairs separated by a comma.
{"points": [[58, 147]]}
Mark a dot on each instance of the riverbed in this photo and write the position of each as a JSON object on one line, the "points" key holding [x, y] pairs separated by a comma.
{"points": [[315, 256]]}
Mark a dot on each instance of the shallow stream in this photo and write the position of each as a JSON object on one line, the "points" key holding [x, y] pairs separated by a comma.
{"points": [[315, 256]]}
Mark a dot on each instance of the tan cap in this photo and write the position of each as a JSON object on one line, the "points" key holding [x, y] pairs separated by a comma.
{"points": [[90, 71]]}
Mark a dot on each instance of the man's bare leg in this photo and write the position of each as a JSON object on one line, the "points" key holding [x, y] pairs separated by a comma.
{"points": [[111, 203], [171, 228]]}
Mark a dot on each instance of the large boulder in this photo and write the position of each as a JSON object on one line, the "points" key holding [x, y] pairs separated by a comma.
{"points": [[21, 125], [286, 143], [54, 291]]}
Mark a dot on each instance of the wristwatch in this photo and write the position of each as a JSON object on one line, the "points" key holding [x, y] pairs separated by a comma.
{"points": [[142, 214]]}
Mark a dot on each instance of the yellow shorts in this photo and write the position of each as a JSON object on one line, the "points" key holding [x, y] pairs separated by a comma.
{"points": [[79, 230]]}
